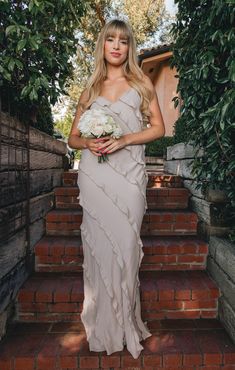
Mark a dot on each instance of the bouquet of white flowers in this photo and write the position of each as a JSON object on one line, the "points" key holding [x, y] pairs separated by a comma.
{"points": [[97, 123]]}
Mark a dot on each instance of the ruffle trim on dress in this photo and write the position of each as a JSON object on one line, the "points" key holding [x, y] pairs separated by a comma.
{"points": [[83, 203], [108, 234], [115, 108], [86, 270], [133, 155], [137, 113], [89, 331], [123, 208], [117, 309], [117, 111], [137, 160], [128, 178]]}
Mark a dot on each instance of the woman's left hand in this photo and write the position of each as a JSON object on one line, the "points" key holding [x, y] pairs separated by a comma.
{"points": [[110, 144]]}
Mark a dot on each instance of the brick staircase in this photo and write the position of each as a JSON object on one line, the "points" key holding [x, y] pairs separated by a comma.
{"points": [[178, 297]]}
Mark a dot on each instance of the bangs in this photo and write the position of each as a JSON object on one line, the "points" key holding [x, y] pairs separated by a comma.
{"points": [[117, 27]]}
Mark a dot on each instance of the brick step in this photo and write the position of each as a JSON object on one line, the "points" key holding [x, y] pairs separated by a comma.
{"points": [[200, 344], [68, 221], [48, 297], [155, 179], [157, 198], [58, 254]]}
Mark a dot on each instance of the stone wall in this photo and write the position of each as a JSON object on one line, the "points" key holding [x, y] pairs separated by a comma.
{"points": [[31, 165], [213, 227], [210, 206], [221, 265]]}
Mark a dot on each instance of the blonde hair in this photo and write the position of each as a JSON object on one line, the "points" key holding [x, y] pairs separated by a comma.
{"points": [[132, 71]]}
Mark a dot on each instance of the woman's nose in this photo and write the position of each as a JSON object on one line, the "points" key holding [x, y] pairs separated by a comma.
{"points": [[116, 44]]}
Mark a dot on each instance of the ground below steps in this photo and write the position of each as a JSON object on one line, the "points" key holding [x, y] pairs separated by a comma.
{"points": [[175, 344]]}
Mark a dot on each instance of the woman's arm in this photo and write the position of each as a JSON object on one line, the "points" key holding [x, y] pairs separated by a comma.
{"points": [[75, 140], [157, 128]]}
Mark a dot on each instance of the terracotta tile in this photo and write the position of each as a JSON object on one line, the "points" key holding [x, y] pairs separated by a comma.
{"points": [[31, 345], [6, 364], [177, 324], [30, 328], [68, 362], [50, 345], [71, 343], [208, 323], [10, 345], [208, 341], [26, 363], [169, 342], [64, 327], [46, 363]]}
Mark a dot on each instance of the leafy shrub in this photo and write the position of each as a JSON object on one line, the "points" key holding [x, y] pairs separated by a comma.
{"points": [[180, 133], [37, 40], [204, 56], [157, 148]]}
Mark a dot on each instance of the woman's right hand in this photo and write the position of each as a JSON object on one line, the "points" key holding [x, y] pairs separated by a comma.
{"points": [[93, 145]]}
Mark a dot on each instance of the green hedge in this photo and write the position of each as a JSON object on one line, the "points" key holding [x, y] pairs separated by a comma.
{"points": [[157, 148], [37, 41], [204, 56]]}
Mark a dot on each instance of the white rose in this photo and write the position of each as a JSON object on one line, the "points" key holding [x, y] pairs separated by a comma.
{"points": [[108, 128], [117, 132], [97, 122], [97, 129], [84, 124]]}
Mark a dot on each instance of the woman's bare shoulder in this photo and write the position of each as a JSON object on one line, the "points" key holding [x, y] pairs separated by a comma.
{"points": [[84, 96]]}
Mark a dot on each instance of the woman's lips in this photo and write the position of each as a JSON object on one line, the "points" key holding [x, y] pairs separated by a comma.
{"points": [[115, 54]]}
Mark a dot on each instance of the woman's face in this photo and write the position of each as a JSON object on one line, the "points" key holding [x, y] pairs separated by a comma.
{"points": [[116, 49]]}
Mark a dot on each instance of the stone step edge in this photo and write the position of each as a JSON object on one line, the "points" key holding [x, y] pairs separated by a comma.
{"points": [[148, 212], [169, 180], [204, 284], [156, 245], [168, 191], [53, 254]]}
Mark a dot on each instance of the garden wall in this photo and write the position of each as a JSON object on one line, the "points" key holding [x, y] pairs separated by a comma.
{"points": [[221, 265], [213, 227], [210, 206], [31, 165]]}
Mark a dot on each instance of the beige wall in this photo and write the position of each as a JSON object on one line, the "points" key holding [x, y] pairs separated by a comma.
{"points": [[166, 84]]}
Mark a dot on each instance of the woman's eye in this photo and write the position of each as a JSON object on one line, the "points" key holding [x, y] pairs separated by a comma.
{"points": [[124, 42]]}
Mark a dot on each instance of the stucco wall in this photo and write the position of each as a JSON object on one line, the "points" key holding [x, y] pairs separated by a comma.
{"points": [[166, 84]]}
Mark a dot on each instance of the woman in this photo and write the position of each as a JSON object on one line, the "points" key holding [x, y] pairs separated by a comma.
{"points": [[113, 194]]}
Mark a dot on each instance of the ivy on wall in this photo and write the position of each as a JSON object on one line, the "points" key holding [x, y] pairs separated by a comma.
{"points": [[204, 55]]}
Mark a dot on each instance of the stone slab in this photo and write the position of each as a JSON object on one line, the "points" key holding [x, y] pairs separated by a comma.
{"points": [[205, 231], [227, 316], [182, 151], [213, 214], [179, 167], [223, 281], [223, 253], [13, 129]]}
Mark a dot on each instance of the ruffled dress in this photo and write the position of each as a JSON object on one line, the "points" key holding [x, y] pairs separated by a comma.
{"points": [[113, 197]]}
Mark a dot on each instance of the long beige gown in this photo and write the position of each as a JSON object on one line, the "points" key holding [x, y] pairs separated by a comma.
{"points": [[113, 197]]}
